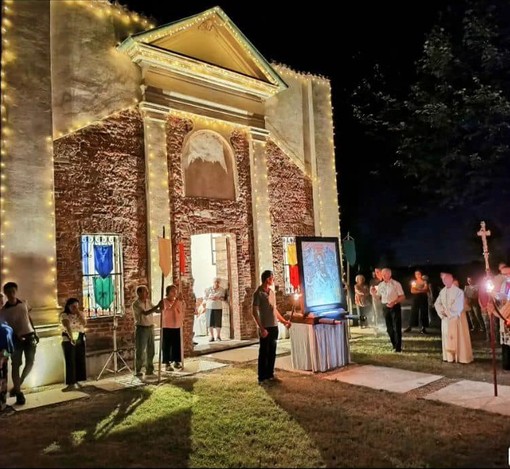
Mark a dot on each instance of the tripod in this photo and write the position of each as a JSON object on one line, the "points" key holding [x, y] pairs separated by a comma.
{"points": [[115, 354]]}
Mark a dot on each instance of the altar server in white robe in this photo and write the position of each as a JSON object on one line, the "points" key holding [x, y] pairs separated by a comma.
{"points": [[449, 305]]}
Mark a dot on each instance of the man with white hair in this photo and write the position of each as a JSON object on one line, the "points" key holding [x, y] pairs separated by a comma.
{"points": [[391, 293], [213, 302], [455, 338], [143, 310]]}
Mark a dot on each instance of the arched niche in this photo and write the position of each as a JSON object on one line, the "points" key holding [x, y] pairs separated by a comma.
{"points": [[208, 165]]}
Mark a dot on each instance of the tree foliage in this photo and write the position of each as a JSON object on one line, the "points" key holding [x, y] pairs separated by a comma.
{"points": [[449, 130]]}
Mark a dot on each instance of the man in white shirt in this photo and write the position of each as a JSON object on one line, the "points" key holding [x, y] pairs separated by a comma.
{"points": [[143, 310], [391, 293], [16, 314], [213, 300]]}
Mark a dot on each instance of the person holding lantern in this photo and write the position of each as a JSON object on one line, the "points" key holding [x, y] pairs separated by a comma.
{"points": [[73, 323], [419, 309]]}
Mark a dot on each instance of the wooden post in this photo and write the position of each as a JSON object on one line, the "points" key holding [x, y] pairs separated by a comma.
{"points": [[161, 320], [179, 296]]}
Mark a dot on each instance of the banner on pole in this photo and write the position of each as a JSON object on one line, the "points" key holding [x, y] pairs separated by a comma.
{"points": [[350, 251], [165, 255], [294, 276], [182, 259]]}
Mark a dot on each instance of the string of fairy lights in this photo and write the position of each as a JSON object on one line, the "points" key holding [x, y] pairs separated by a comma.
{"points": [[328, 170], [102, 9], [332, 151], [203, 17], [261, 200], [132, 22], [7, 233], [157, 184], [106, 10], [8, 57], [187, 66]]}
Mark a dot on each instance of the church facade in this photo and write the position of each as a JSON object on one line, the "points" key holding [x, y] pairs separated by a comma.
{"points": [[114, 130]]}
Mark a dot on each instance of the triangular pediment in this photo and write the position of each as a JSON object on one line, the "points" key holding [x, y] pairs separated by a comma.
{"points": [[212, 39]]}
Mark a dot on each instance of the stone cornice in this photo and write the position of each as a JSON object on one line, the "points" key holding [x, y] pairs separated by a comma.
{"points": [[149, 56]]}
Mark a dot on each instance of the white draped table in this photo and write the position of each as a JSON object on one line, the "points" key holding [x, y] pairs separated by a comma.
{"points": [[319, 347]]}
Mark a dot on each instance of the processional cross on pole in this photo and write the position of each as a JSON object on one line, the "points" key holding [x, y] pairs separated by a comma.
{"points": [[484, 233]]}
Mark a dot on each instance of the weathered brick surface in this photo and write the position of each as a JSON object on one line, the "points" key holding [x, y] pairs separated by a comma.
{"points": [[100, 188], [291, 204], [192, 216]]}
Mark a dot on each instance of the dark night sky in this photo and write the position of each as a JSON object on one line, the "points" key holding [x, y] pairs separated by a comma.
{"points": [[342, 41]]}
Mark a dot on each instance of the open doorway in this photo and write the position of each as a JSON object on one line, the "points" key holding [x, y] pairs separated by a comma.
{"points": [[210, 259]]}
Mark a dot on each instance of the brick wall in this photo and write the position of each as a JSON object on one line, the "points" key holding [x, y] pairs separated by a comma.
{"points": [[100, 188], [291, 205], [192, 216]]}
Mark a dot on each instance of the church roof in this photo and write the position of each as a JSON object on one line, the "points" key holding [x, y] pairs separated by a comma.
{"points": [[209, 44]]}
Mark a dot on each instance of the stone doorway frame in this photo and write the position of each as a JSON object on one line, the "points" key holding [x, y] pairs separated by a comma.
{"points": [[232, 279]]}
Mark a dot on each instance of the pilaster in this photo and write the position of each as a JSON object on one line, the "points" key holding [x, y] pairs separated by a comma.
{"points": [[157, 191], [27, 212], [262, 232]]}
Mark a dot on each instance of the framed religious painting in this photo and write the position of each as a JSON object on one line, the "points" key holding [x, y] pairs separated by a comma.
{"points": [[320, 275]]}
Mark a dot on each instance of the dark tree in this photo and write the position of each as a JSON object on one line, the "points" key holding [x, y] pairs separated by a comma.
{"points": [[449, 132]]}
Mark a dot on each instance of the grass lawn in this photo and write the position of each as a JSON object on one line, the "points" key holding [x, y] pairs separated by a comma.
{"points": [[224, 419]]}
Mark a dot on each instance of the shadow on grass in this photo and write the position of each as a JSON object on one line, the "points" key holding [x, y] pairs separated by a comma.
{"points": [[355, 426], [134, 427]]}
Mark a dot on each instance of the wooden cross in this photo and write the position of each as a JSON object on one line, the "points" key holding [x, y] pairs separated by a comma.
{"points": [[483, 233]]}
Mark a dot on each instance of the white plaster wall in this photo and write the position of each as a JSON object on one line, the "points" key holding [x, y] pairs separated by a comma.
{"points": [[203, 270], [90, 78], [158, 205], [284, 114], [325, 158], [27, 218], [261, 214], [48, 365]]}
